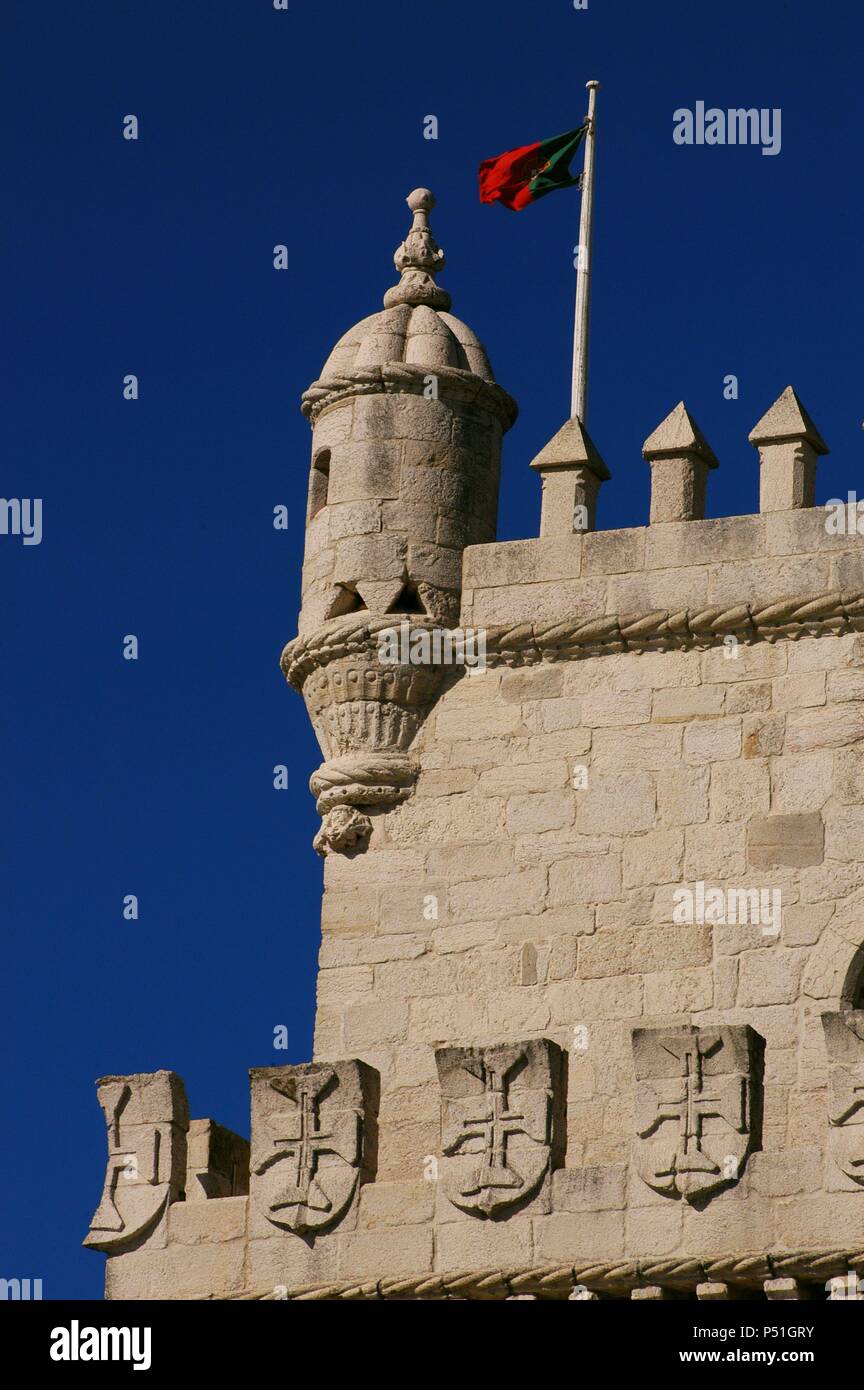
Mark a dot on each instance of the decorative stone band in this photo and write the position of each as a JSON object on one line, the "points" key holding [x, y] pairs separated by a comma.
{"points": [[455, 383], [618, 1279], [352, 636], [806, 615], [365, 781], [809, 615]]}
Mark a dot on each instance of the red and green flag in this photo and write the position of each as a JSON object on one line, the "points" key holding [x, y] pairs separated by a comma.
{"points": [[521, 176]]}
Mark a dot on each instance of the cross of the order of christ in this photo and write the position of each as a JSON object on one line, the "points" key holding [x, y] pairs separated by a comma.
{"points": [[493, 1120], [139, 1164], [855, 1098], [690, 1099], [302, 1141]]}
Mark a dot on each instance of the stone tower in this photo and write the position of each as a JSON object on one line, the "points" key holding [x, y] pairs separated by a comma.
{"points": [[590, 1020]]}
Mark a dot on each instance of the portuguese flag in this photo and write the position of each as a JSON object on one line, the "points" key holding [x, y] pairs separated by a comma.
{"points": [[519, 177]]}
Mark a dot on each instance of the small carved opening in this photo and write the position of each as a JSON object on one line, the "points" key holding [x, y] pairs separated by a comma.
{"points": [[408, 601], [346, 601], [319, 483]]}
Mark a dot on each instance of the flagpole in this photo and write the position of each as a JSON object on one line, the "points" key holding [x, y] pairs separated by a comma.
{"points": [[579, 385]]}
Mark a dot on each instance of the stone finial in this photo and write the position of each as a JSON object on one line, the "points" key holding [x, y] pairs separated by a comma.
{"points": [[680, 457], [419, 259], [571, 471], [789, 445]]}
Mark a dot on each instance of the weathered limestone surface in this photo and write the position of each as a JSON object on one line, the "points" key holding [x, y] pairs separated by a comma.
{"points": [[516, 895], [673, 565], [591, 989], [507, 900], [680, 458]]}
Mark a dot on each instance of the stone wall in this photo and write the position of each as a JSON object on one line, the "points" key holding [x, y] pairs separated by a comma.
{"points": [[558, 810], [590, 1005], [531, 888]]}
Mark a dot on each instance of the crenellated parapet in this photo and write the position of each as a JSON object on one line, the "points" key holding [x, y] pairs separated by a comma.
{"points": [[683, 580], [306, 1208], [571, 468]]}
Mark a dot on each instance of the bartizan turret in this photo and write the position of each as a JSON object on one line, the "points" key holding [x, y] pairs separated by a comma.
{"points": [[407, 422]]}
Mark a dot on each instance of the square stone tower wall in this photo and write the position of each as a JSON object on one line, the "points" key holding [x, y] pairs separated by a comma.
{"points": [[570, 816]]}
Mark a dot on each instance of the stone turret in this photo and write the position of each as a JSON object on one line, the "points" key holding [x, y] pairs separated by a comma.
{"points": [[407, 421]]}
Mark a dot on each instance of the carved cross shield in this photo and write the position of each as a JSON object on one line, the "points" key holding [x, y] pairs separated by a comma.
{"points": [[147, 1118], [697, 1102], [496, 1122], [844, 1039], [307, 1141]]}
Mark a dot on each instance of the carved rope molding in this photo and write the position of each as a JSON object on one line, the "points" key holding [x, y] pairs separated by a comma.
{"points": [[407, 379], [523, 644], [616, 1278]]}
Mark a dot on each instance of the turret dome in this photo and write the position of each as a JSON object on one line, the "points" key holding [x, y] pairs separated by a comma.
{"points": [[414, 333], [417, 334]]}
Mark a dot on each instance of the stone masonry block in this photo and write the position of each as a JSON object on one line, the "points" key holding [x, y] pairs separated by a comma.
{"points": [[794, 840], [638, 950], [217, 1162]]}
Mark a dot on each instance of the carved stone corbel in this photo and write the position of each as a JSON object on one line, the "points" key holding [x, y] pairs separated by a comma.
{"points": [[366, 710]]}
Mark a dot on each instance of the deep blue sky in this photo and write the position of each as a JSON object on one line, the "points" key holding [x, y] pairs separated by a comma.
{"points": [[259, 127]]}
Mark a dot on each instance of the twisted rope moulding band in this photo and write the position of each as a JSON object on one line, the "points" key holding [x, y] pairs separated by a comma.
{"points": [[521, 644], [618, 1279]]}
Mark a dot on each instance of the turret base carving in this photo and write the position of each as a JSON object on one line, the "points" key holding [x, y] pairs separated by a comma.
{"points": [[344, 784]]}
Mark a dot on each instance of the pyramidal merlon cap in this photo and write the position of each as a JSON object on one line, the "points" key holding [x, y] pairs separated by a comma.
{"points": [[571, 447], [787, 419], [678, 436]]}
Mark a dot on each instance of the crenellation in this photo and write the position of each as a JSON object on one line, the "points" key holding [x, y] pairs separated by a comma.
{"points": [[789, 446], [217, 1162], [680, 459]]}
